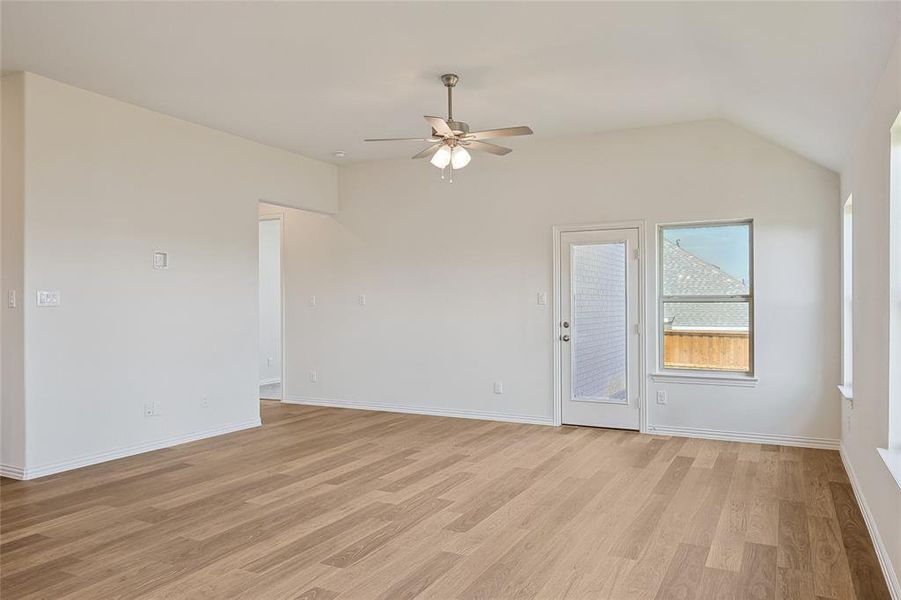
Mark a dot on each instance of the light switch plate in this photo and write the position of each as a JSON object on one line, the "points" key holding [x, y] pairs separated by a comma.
{"points": [[11, 299], [542, 298], [48, 298]]}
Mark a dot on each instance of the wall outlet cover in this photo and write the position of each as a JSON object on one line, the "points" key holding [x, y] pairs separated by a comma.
{"points": [[48, 298], [160, 259]]}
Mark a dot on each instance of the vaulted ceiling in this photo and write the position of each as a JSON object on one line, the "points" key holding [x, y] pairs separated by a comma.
{"points": [[318, 77]]}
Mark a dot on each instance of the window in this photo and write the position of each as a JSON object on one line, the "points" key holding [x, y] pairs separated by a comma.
{"points": [[706, 297], [895, 297], [847, 296]]}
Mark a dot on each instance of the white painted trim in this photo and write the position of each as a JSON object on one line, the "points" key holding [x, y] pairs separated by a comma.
{"points": [[847, 391], [93, 459], [892, 459], [270, 381], [741, 436], [420, 410], [638, 224], [882, 554], [12, 472], [695, 378]]}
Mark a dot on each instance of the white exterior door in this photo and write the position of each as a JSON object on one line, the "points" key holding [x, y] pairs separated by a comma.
{"points": [[599, 328]]}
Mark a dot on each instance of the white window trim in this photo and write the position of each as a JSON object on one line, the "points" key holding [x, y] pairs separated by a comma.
{"points": [[847, 386], [892, 459], [728, 378], [698, 376]]}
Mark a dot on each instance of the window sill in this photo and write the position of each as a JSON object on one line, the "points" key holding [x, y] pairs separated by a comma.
{"points": [[704, 379], [892, 460], [847, 392]]}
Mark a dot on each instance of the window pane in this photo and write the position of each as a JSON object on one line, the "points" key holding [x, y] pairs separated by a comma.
{"points": [[599, 322], [706, 261], [706, 335]]}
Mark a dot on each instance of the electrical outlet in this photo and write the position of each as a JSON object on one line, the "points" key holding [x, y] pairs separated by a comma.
{"points": [[314, 375], [269, 361], [205, 402], [498, 387], [48, 298], [157, 410], [362, 299], [661, 396], [11, 299], [312, 301]]}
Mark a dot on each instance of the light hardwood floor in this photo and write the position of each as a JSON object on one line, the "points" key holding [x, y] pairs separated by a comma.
{"points": [[328, 503]]}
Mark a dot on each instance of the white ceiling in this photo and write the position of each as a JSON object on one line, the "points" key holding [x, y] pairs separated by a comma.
{"points": [[318, 77]]}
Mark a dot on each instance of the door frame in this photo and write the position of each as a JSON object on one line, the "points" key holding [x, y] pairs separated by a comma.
{"points": [[280, 217], [558, 230]]}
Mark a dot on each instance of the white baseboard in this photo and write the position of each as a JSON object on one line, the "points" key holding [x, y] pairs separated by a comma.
{"points": [[12, 472], [421, 410], [882, 554], [739, 436], [99, 457], [270, 381]]}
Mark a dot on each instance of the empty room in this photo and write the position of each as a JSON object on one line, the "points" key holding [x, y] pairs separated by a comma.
{"points": [[450, 300]]}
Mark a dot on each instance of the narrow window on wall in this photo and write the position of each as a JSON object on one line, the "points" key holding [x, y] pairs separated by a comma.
{"points": [[895, 300], [706, 297], [847, 296]]}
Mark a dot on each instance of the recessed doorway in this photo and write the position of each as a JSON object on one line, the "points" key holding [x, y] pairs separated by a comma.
{"points": [[270, 308]]}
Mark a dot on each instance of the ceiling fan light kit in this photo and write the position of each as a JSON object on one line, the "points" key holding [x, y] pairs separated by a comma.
{"points": [[451, 140]]}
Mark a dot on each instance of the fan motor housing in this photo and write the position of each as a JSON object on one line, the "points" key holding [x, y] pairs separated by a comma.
{"points": [[458, 127]]}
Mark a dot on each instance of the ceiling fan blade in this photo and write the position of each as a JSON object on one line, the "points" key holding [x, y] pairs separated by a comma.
{"points": [[440, 126], [496, 133], [486, 147], [428, 151], [401, 140]]}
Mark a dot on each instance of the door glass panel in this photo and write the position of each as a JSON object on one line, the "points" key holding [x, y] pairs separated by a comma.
{"points": [[599, 322]]}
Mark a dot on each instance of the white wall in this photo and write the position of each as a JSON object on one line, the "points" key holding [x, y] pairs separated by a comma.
{"points": [[107, 183], [270, 301], [12, 385], [866, 176], [451, 273]]}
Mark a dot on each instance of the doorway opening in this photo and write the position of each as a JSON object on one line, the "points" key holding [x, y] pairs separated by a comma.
{"points": [[271, 308]]}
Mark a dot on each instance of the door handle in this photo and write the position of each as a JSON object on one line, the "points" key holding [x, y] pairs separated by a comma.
{"points": [[564, 337], [565, 324]]}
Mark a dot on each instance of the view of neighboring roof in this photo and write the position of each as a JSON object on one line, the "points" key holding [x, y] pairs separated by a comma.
{"points": [[685, 274]]}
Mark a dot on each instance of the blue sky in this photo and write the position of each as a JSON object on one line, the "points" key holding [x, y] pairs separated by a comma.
{"points": [[725, 246]]}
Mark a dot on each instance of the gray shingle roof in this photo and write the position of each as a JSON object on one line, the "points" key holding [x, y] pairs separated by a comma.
{"points": [[685, 274], [688, 275]]}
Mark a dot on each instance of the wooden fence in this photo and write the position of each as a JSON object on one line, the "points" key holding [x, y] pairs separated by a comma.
{"points": [[716, 350]]}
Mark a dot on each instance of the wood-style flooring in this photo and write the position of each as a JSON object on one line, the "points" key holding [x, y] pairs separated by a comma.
{"points": [[339, 504]]}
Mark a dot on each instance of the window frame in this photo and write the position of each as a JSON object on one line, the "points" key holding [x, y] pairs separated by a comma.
{"points": [[708, 375], [847, 385]]}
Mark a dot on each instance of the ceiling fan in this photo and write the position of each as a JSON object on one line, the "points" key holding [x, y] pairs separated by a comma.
{"points": [[451, 139]]}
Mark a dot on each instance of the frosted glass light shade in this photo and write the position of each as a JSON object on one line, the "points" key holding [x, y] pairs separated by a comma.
{"points": [[442, 157], [459, 157]]}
